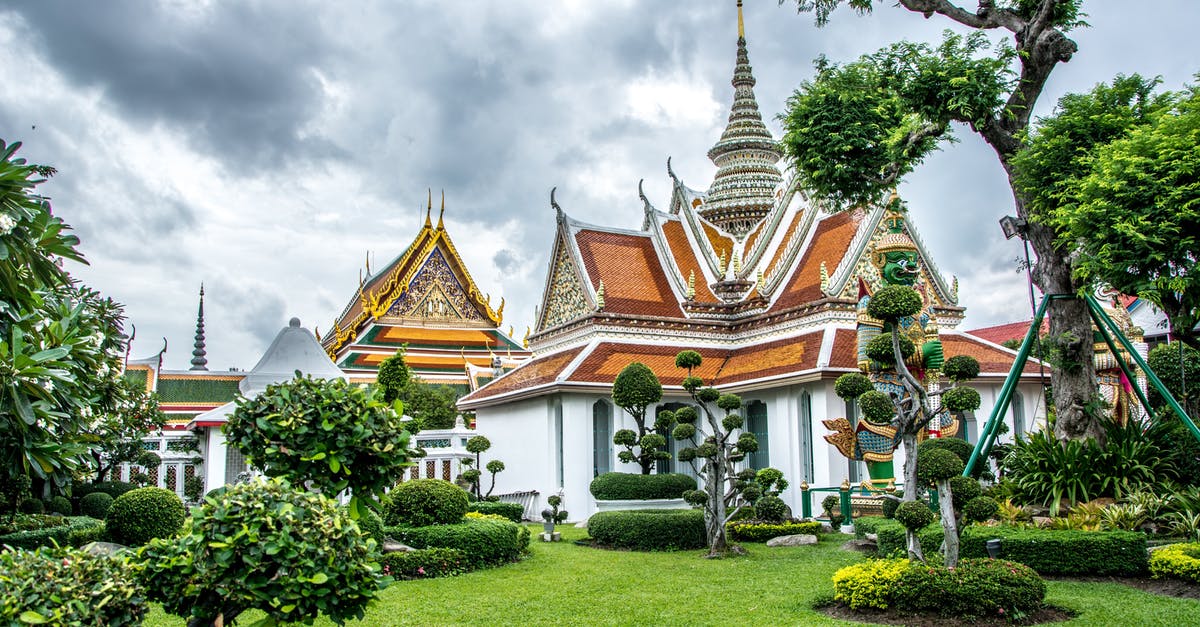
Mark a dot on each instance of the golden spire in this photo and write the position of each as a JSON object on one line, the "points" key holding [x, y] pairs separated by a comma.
{"points": [[741, 23], [429, 209], [600, 295], [443, 211]]}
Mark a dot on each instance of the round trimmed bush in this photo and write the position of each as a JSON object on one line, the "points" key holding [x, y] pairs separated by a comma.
{"points": [[485, 541], [894, 302], [852, 385], [880, 348], [889, 505], [33, 506], [977, 588], [59, 505], [938, 465], [914, 515], [961, 368], [95, 505], [622, 486], [111, 488], [649, 529], [964, 489], [140, 515], [961, 399], [979, 509], [421, 502], [511, 511], [958, 446], [771, 509], [877, 407]]}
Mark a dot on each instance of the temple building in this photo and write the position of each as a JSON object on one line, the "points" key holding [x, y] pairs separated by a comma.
{"points": [[749, 273], [425, 300]]}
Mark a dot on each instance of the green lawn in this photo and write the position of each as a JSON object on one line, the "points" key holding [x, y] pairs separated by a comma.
{"points": [[563, 583]]}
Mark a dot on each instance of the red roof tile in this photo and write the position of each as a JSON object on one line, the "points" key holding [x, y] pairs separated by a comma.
{"points": [[829, 244], [991, 359], [530, 374], [1002, 333], [685, 259], [634, 280]]}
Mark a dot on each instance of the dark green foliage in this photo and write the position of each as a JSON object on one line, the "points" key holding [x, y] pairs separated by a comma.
{"points": [[59, 505], [979, 509], [635, 389], [893, 302], [32, 506], [1174, 364], [761, 531], [371, 525], [868, 524], [771, 509], [708, 395], [66, 531], [431, 406], [95, 505], [961, 368], [1063, 552], [961, 398], [636, 386], [938, 465], [241, 543], [649, 530], [620, 486], [13, 490], [914, 515], [889, 505], [877, 407], [511, 511], [976, 588], [70, 587], [852, 385], [339, 436], [688, 360], [140, 515], [881, 350], [891, 540], [421, 502], [959, 447], [393, 376], [486, 542], [425, 563], [111, 488], [964, 489]]}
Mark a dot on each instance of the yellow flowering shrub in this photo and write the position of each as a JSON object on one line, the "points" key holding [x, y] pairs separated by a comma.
{"points": [[482, 516], [1180, 561], [868, 584]]}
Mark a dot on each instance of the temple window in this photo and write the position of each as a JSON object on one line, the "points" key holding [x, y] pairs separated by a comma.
{"points": [[602, 435]]}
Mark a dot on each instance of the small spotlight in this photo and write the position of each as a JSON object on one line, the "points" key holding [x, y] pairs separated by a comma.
{"points": [[1013, 227], [993, 548]]}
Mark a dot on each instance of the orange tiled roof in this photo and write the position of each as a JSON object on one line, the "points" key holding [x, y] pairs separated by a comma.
{"points": [[829, 244], [780, 357], [428, 335], [531, 374], [419, 362], [634, 280], [845, 349], [1002, 333], [753, 237], [991, 359], [787, 235], [685, 259], [719, 242]]}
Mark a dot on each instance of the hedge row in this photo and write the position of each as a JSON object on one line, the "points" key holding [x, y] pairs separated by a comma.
{"points": [[1049, 552], [621, 486], [758, 531], [75, 531], [511, 511], [485, 542], [425, 563], [649, 529], [1180, 561], [869, 524]]}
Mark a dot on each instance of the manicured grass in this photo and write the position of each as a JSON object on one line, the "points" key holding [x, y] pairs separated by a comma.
{"points": [[564, 583]]}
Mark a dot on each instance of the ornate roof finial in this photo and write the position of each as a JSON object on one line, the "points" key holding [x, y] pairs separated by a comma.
{"points": [[759, 279], [670, 172], [440, 226], [600, 295], [954, 290], [558, 212], [743, 190], [737, 263], [199, 355], [721, 265], [691, 289], [368, 267], [824, 277], [429, 209]]}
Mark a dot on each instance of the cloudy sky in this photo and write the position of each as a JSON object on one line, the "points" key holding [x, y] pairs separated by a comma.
{"points": [[267, 148]]}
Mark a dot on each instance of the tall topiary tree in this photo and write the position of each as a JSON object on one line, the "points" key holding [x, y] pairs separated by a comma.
{"points": [[712, 454], [326, 434], [635, 390], [477, 445]]}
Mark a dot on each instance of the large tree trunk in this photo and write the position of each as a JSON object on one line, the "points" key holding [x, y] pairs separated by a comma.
{"points": [[718, 544], [949, 525], [913, 542]]}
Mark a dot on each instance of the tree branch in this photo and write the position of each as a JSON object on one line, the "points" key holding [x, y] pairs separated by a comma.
{"points": [[986, 17]]}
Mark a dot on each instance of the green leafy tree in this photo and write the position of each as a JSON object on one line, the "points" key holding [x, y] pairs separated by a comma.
{"points": [[712, 453], [125, 415], [264, 545], [857, 128], [1113, 171], [635, 390], [430, 406], [326, 434], [1178, 367], [58, 340]]}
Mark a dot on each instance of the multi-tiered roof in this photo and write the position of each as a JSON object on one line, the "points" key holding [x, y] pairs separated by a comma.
{"points": [[749, 273]]}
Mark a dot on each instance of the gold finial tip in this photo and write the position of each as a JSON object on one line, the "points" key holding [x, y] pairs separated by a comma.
{"points": [[741, 22]]}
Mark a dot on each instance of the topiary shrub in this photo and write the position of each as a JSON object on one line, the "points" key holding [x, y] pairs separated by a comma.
{"points": [[889, 505], [914, 515], [759, 531], [1063, 552], [425, 563], [111, 488], [771, 509], [1178, 561], [864, 525], [59, 505], [422, 502], [938, 465], [976, 588], [371, 525], [893, 302], [964, 489], [890, 539], [869, 584], [33, 506], [961, 368], [649, 529], [140, 515], [979, 509], [959, 447], [852, 385], [880, 348], [961, 399], [68, 586], [620, 486], [63, 531], [264, 545], [877, 407], [832, 506], [511, 511], [485, 542]]}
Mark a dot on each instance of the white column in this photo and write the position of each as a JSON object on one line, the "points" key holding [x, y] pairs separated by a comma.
{"points": [[214, 459]]}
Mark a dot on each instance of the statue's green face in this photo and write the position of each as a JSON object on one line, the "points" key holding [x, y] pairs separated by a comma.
{"points": [[900, 268]]}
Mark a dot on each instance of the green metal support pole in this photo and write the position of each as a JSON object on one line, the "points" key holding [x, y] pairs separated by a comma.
{"points": [[987, 435], [805, 501], [844, 502], [1153, 378]]}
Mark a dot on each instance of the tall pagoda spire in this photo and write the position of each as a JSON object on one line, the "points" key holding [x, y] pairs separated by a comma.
{"points": [[199, 358], [743, 191]]}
